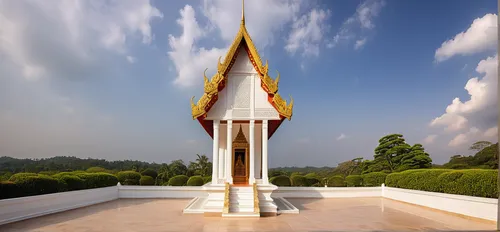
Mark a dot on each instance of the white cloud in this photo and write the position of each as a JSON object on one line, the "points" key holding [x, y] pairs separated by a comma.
{"points": [[480, 109], [190, 59], [342, 136], [429, 139], [67, 37], [131, 59], [307, 33], [480, 36], [464, 138], [51, 42], [491, 132], [360, 22], [262, 17], [359, 44]]}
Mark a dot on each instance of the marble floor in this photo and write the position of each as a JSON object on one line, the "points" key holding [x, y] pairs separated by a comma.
{"points": [[347, 214]]}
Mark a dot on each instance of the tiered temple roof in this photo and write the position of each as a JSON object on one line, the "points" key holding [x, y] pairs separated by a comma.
{"points": [[213, 86]]}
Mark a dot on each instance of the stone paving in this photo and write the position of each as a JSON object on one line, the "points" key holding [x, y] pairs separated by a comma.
{"points": [[335, 214]]}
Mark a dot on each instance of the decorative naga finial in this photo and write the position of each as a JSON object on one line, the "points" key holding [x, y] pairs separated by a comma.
{"points": [[243, 12], [205, 76], [192, 102], [277, 78]]}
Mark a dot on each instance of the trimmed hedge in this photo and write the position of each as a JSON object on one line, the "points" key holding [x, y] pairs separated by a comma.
{"points": [[195, 181], [298, 180], [470, 182], [373, 179], [129, 177], [418, 179], [97, 180], [354, 181], [207, 179], [9, 189], [312, 179], [146, 180], [70, 183], [179, 180], [281, 181], [98, 169], [150, 172], [336, 181], [21, 176], [36, 185]]}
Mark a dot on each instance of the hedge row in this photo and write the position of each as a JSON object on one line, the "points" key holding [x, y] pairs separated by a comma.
{"points": [[470, 182], [30, 184]]}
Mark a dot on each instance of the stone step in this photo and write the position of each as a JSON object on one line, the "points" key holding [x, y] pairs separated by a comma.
{"points": [[241, 214], [236, 210], [240, 198], [241, 203]]}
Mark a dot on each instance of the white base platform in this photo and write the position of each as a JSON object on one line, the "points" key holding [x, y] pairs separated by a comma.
{"points": [[214, 203]]}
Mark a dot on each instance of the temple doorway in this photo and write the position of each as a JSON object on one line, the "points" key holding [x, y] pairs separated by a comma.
{"points": [[240, 156]]}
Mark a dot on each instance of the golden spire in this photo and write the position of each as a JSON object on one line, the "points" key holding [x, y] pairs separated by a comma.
{"points": [[243, 12]]}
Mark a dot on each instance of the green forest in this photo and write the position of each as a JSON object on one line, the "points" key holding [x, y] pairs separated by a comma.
{"points": [[395, 163]]}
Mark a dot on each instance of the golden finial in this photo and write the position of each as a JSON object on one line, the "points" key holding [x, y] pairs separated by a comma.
{"points": [[243, 12]]}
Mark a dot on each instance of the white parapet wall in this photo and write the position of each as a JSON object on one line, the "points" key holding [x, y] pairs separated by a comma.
{"points": [[327, 192], [21, 208], [478, 207], [189, 192], [17, 209]]}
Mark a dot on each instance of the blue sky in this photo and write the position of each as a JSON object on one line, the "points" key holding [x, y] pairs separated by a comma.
{"points": [[113, 79]]}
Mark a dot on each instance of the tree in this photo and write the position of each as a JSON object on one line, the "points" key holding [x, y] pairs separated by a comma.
{"points": [[349, 167], [480, 145], [390, 150], [203, 165], [415, 158], [177, 167]]}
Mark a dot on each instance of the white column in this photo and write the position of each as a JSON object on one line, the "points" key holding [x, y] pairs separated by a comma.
{"points": [[215, 163], [251, 178], [265, 179], [221, 163], [229, 151]]}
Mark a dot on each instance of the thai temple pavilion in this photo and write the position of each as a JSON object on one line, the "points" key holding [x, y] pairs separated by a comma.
{"points": [[240, 110]]}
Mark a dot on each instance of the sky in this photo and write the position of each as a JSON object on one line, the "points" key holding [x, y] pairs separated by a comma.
{"points": [[113, 79]]}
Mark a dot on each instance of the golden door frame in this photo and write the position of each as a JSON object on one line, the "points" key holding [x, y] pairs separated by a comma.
{"points": [[238, 146]]}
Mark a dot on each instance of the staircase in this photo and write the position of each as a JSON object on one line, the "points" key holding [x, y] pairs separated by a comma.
{"points": [[242, 202]]}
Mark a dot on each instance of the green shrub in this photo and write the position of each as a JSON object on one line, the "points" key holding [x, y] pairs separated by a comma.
{"points": [[98, 169], [70, 183], [179, 180], [146, 180], [207, 179], [48, 173], [312, 179], [150, 172], [21, 176], [128, 177], [97, 180], [354, 181], [36, 185], [298, 180], [418, 179], [281, 181], [336, 181], [471, 182], [9, 189], [195, 181], [373, 179]]}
